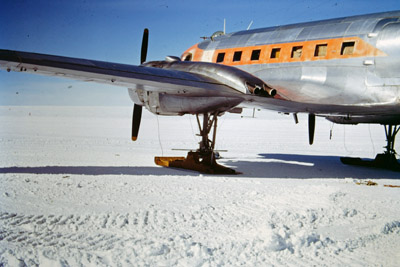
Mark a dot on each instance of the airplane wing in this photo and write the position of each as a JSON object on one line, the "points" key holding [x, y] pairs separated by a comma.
{"points": [[128, 76]]}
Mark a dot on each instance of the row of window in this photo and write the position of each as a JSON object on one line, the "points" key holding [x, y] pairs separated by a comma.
{"points": [[321, 50]]}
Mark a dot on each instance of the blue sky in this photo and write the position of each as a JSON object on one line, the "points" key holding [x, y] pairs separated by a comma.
{"points": [[112, 30]]}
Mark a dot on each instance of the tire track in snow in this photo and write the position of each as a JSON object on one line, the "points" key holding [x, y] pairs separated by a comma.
{"points": [[143, 233]]}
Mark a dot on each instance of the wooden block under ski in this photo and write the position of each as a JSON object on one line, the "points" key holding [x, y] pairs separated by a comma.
{"points": [[194, 162]]}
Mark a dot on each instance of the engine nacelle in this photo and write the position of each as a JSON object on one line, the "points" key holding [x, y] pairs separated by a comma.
{"points": [[235, 78], [167, 104], [175, 104]]}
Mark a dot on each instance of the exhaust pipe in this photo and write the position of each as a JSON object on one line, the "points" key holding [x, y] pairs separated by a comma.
{"points": [[265, 90]]}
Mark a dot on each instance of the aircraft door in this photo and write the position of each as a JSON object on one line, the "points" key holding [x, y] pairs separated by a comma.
{"points": [[389, 43]]}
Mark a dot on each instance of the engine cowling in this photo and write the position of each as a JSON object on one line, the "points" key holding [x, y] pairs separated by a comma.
{"points": [[235, 78], [166, 104]]}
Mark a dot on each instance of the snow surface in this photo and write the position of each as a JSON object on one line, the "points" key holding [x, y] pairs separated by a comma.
{"points": [[75, 191]]}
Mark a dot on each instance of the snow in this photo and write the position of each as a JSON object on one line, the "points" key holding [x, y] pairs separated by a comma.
{"points": [[75, 191]]}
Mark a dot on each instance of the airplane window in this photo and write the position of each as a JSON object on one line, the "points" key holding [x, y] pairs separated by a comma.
{"points": [[188, 57], [237, 56], [321, 50], [255, 55], [275, 52], [296, 51], [347, 48], [220, 57]]}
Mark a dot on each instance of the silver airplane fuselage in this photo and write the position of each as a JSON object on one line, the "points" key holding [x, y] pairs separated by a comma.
{"points": [[346, 62]]}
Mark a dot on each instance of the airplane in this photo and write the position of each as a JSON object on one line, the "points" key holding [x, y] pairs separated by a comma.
{"points": [[346, 70]]}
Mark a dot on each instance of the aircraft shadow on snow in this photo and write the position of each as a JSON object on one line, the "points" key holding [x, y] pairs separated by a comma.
{"points": [[306, 167], [94, 170], [270, 166]]}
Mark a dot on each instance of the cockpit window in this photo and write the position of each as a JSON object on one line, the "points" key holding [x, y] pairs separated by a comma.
{"points": [[188, 57]]}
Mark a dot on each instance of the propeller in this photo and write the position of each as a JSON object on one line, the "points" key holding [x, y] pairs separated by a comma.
{"points": [[136, 118], [311, 128], [145, 43], [137, 109]]}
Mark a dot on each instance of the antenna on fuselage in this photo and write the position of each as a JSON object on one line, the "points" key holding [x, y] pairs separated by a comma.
{"points": [[251, 23], [224, 26]]}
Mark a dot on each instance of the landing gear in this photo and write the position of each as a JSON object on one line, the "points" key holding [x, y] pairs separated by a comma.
{"points": [[386, 160], [203, 159]]}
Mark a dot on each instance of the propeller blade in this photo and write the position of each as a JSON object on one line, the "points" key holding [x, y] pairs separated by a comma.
{"points": [[136, 118], [311, 128], [137, 109], [145, 42]]}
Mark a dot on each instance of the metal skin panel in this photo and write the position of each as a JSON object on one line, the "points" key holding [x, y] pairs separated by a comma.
{"points": [[352, 26], [318, 84], [328, 84]]}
